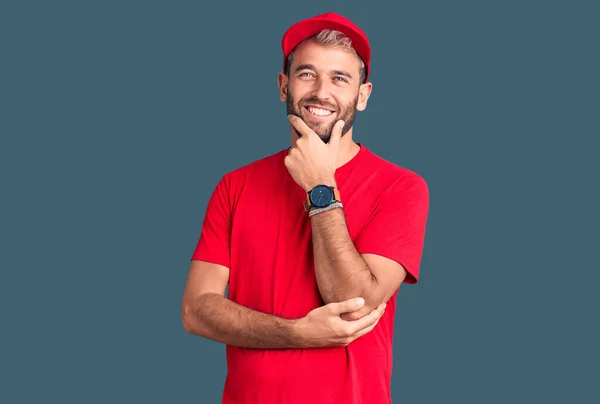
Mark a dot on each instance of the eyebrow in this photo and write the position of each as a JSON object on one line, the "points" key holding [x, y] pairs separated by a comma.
{"points": [[311, 67], [304, 67], [342, 73]]}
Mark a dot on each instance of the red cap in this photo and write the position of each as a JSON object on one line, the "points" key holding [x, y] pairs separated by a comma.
{"points": [[312, 26]]}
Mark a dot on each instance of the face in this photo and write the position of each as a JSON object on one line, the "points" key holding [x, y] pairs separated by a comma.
{"points": [[323, 87]]}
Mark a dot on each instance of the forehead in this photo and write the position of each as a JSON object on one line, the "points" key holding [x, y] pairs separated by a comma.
{"points": [[326, 57]]}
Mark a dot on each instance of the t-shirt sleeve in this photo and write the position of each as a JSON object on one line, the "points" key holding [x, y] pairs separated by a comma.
{"points": [[215, 237], [396, 230]]}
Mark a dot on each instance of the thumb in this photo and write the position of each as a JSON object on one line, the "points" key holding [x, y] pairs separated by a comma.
{"points": [[336, 134], [348, 306]]}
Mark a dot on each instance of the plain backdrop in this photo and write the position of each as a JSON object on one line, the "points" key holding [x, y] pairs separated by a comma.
{"points": [[117, 119]]}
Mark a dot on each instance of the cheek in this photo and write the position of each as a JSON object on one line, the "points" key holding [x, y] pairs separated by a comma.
{"points": [[349, 107]]}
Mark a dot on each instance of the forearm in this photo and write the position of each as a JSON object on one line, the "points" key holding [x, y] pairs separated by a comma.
{"points": [[340, 270], [219, 319]]}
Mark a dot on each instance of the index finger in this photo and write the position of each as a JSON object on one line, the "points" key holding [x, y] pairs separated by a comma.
{"points": [[347, 306], [355, 326], [336, 134], [301, 126]]}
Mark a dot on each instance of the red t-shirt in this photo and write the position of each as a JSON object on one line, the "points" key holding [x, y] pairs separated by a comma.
{"points": [[255, 225]]}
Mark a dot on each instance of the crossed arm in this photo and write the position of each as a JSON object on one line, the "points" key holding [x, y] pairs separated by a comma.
{"points": [[342, 275], [206, 312]]}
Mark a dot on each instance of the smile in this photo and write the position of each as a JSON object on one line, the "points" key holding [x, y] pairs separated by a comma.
{"points": [[318, 111]]}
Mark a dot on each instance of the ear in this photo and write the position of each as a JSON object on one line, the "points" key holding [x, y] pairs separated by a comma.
{"points": [[364, 92], [282, 82]]}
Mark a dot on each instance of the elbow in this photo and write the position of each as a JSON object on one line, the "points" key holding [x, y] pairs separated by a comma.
{"points": [[372, 299], [191, 321], [186, 318]]}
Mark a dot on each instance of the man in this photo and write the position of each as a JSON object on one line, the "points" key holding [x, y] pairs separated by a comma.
{"points": [[314, 241]]}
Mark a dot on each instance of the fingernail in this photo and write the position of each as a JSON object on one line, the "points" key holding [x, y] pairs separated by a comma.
{"points": [[342, 123], [360, 301]]}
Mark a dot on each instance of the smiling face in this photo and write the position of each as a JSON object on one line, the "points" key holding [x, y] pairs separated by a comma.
{"points": [[323, 87]]}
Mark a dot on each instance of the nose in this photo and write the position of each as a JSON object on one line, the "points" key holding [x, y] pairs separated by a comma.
{"points": [[321, 88]]}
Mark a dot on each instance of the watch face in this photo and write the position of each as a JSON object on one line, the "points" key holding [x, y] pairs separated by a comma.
{"points": [[321, 196]]}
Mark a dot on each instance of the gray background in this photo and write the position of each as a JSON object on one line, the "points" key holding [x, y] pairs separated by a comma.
{"points": [[118, 118]]}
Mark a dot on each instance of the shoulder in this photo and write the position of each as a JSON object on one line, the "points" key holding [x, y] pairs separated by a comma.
{"points": [[261, 168], [396, 176]]}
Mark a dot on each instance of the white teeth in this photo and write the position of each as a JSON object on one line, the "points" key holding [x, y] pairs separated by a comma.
{"points": [[319, 111]]}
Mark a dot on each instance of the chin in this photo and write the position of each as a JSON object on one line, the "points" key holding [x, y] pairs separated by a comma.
{"points": [[319, 128]]}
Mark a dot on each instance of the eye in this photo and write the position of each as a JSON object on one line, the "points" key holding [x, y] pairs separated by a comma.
{"points": [[305, 73], [340, 78]]}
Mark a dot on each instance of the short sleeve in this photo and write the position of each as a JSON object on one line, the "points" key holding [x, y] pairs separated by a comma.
{"points": [[396, 230], [215, 237]]}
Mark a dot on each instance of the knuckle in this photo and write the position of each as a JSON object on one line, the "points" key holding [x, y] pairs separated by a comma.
{"points": [[331, 308], [342, 332]]}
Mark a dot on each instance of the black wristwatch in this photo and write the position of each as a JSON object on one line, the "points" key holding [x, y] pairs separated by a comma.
{"points": [[321, 196]]}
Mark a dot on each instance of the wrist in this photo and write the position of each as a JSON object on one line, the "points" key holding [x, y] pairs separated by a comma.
{"points": [[326, 180], [316, 211], [296, 334]]}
